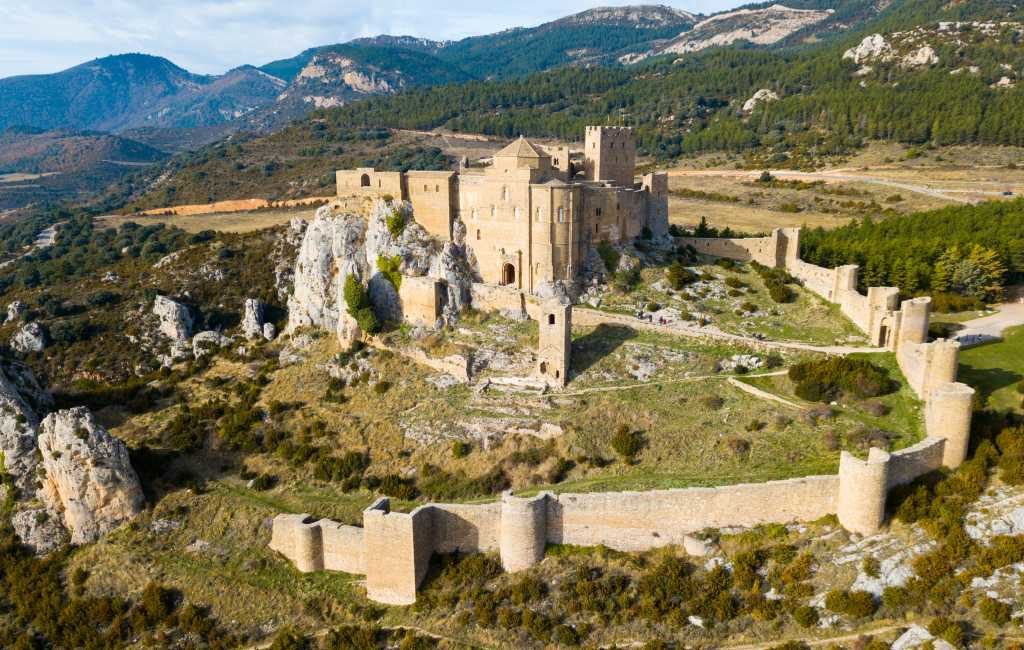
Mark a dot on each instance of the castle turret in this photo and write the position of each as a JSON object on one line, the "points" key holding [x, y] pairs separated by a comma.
{"points": [[555, 342], [523, 531], [914, 320], [610, 154], [948, 416], [863, 485]]}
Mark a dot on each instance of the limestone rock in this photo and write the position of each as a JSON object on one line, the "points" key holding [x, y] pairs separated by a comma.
{"points": [[175, 318], [269, 331], [204, 343], [918, 637], [695, 547], [253, 317], [21, 398], [15, 309], [873, 47], [921, 57], [30, 338], [765, 95], [40, 529], [89, 478], [336, 245]]}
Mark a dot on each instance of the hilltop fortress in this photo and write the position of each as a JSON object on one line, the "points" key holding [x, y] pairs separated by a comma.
{"points": [[531, 216], [393, 549]]}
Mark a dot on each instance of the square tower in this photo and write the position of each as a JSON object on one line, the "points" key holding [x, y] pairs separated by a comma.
{"points": [[555, 342], [610, 154]]}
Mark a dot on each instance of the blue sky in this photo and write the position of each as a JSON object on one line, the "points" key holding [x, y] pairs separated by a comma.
{"points": [[212, 36]]}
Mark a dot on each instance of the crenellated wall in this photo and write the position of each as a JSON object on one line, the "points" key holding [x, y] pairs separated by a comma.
{"points": [[394, 549]]}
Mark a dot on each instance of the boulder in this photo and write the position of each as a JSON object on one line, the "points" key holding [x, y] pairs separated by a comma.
{"points": [[269, 331], [30, 338], [15, 310], [89, 479], [204, 343], [21, 399], [253, 318], [765, 95], [921, 57], [872, 48], [175, 319], [40, 529]]}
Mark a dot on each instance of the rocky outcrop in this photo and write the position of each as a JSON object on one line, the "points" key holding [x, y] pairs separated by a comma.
{"points": [[764, 95], [269, 331], [921, 57], [89, 479], [336, 245], [30, 338], [15, 310], [872, 48], [174, 322], [204, 343], [21, 400], [253, 317], [40, 529]]}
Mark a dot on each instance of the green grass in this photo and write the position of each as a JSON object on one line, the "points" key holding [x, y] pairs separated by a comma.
{"points": [[995, 369]]}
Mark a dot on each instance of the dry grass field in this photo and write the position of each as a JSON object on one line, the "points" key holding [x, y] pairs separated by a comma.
{"points": [[237, 222], [880, 180]]}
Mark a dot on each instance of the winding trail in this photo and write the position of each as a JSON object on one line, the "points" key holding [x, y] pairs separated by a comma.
{"points": [[991, 328]]}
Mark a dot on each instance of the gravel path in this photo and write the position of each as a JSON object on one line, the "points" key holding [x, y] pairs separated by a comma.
{"points": [[990, 328]]}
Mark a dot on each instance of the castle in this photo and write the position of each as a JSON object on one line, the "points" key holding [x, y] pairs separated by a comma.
{"points": [[531, 216]]}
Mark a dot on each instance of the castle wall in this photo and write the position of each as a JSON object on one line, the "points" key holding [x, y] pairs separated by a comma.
{"points": [[421, 299], [656, 200], [298, 538], [758, 249], [434, 200], [523, 531], [635, 521], [461, 528], [863, 485], [342, 547], [397, 549], [948, 417], [366, 180], [815, 278], [907, 464]]}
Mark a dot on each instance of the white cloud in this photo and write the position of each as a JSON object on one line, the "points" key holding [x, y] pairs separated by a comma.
{"points": [[212, 36]]}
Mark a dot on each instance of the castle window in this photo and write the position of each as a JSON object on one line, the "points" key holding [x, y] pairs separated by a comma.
{"points": [[538, 214], [494, 211], [504, 193], [515, 213], [426, 188], [551, 319], [437, 188], [599, 212], [561, 215], [475, 213], [364, 180], [478, 234], [380, 183]]}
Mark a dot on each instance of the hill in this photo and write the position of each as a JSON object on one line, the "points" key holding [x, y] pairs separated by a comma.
{"points": [[131, 91], [38, 166]]}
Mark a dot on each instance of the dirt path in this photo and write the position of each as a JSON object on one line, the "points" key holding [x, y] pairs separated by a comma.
{"points": [[763, 394], [44, 239], [585, 316], [990, 328]]}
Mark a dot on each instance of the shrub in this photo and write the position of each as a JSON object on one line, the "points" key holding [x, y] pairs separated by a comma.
{"points": [[263, 482], [461, 448], [627, 443], [856, 604], [609, 256], [627, 279], [994, 611], [948, 630], [389, 267], [748, 307], [396, 222], [713, 402], [946, 303], [871, 566], [734, 283], [825, 380], [738, 446], [679, 276], [806, 616], [652, 306], [397, 487], [381, 387], [367, 320], [558, 471], [289, 639]]}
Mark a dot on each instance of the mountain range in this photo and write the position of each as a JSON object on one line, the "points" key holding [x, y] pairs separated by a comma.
{"points": [[148, 94]]}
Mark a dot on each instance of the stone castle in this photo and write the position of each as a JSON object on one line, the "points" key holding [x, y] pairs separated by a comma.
{"points": [[393, 549], [531, 216]]}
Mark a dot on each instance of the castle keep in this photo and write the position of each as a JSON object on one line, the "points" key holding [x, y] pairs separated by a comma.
{"points": [[532, 215]]}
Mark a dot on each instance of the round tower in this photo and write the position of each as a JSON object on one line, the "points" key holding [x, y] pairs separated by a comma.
{"points": [[308, 546], [948, 416], [863, 485], [522, 531], [914, 318], [943, 360]]}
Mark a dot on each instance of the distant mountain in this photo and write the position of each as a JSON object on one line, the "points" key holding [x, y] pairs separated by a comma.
{"points": [[38, 165], [131, 91]]}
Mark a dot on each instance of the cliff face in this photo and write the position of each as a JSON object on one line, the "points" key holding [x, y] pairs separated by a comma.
{"points": [[337, 245], [89, 478]]}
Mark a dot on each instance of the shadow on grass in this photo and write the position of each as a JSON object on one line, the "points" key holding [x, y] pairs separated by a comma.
{"points": [[987, 380], [590, 348]]}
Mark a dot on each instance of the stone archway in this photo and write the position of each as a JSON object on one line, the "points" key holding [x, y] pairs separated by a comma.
{"points": [[508, 274]]}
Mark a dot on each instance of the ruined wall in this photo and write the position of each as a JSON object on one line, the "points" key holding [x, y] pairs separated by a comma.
{"points": [[342, 547], [421, 299], [818, 279], [758, 249]]}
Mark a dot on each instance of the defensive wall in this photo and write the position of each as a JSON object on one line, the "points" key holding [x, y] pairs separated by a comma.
{"points": [[393, 549]]}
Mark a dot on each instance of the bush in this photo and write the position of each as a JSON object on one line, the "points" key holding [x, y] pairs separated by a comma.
{"points": [[609, 256], [397, 487], [461, 449], [948, 630], [367, 320], [396, 223], [946, 303], [627, 443], [627, 279], [389, 267], [825, 380], [806, 616], [264, 482], [679, 276], [856, 604], [994, 611]]}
